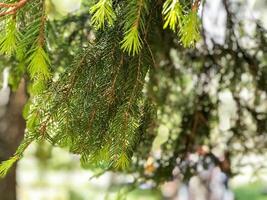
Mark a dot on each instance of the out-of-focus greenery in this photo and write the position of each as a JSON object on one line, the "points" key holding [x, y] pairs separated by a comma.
{"points": [[252, 191]]}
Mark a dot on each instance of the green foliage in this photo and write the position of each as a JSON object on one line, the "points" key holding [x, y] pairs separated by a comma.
{"points": [[90, 94], [19, 41], [102, 12], [132, 42], [23, 38], [185, 21], [131, 77], [39, 64], [122, 161], [253, 190], [6, 165], [136, 15], [99, 107], [10, 39], [190, 32], [38, 86], [134, 26], [123, 130], [38, 69], [172, 12]]}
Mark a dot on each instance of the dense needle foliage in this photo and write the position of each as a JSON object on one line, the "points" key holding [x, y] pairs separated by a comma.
{"points": [[122, 80]]}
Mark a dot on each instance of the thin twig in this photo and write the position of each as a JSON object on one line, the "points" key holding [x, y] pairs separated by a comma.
{"points": [[14, 6], [195, 5]]}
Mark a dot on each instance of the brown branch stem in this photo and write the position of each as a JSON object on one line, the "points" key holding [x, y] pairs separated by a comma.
{"points": [[14, 7], [195, 5]]}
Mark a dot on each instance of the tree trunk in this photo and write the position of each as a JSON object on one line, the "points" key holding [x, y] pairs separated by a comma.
{"points": [[12, 126]]}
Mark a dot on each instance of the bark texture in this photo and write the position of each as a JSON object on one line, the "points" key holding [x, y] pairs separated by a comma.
{"points": [[12, 126]]}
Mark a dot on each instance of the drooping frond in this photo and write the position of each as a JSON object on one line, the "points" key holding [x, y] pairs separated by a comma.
{"points": [[178, 17], [189, 32], [89, 111], [10, 38], [6, 165], [172, 12], [134, 26], [102, 12], [97, 107], [38, 64], [23, 37]]}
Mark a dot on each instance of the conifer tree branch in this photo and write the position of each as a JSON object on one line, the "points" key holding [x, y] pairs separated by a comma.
{"points": [[102, 12], [41, 37], [172, 12], [14, 7], [39, 61], [10, 5], [134, 26], [196, 5]]}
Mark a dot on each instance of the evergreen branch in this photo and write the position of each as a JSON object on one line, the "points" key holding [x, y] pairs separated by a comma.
{"points": [[196, 5], [172, 12], [110, 92], [38, 64], [102, 12], [132, 42], [137, 81], [188, 24], [189, 32], [41, 127], [15, 7], [134, 23], [38, 60], [9, 5], [89, 111], [126, 123], [8, 44], [122, 162], [6, 165]]}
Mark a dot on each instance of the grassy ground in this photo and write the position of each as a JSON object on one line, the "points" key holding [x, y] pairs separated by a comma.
{"points": [[253, 191]]}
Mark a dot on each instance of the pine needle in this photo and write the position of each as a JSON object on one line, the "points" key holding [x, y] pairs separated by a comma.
{"points": [[132, 42], [38, 64], [102, 12], [122, 162], [134, 26], [6, 165], [189, 32], [172, 12], [8, 43]]}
